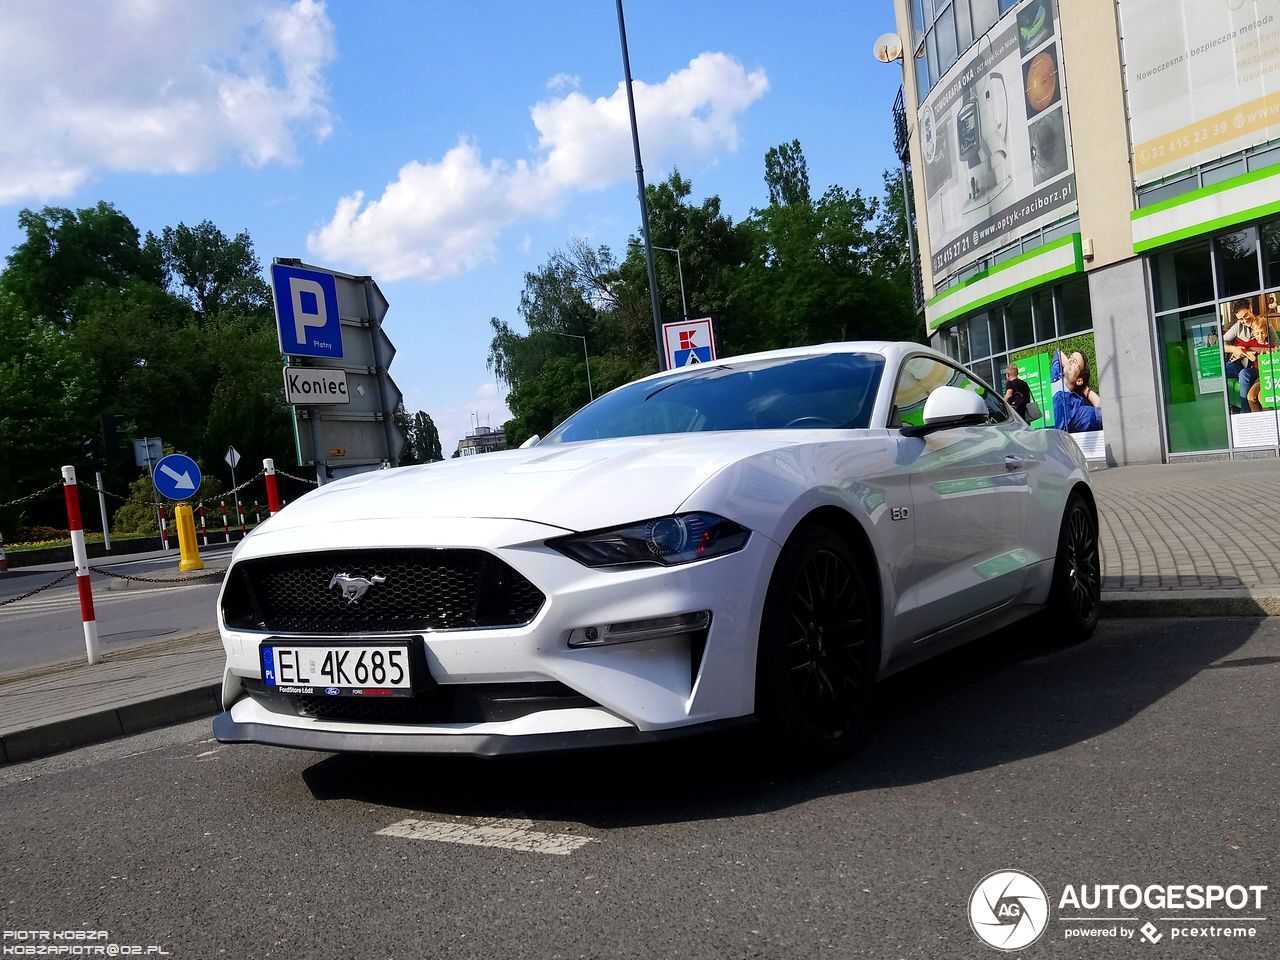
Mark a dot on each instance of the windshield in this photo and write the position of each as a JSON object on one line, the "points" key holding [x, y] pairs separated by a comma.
{"points": [[833, 391]]}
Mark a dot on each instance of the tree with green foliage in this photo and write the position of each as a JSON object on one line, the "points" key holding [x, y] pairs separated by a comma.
{"points": [[173, 334], [424, 439], [797, 271]]}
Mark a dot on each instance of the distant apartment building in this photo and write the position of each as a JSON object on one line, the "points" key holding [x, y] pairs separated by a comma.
{"points": [[483, 440], [1102, 177]]}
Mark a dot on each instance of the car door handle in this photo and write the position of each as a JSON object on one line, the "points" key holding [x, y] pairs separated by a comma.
{"points": [[1017, 463]]}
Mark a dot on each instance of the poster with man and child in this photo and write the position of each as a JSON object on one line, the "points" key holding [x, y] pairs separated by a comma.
{"points": [[1251, 367]]}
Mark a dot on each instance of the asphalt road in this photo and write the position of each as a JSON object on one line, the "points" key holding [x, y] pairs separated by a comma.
{"points": [[1148, 755], [47, 628]]}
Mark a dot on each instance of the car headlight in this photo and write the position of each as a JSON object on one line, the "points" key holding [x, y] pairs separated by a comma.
{"points": [[667, 540]]}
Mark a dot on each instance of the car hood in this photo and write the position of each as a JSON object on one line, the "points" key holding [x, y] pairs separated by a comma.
{"points": [[575, 486]]}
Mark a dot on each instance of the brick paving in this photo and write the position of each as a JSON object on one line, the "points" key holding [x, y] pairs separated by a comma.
{"points": [[1190, 526]]}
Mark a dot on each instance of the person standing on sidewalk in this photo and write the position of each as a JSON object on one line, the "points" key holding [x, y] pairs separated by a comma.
{"points": [[1016, 392]]}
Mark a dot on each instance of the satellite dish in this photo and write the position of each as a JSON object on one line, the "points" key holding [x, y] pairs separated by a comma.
{"points": [[888, 48]]}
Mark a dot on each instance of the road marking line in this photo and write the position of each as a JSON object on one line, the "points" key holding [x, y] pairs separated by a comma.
{"points": [[488, 832]]}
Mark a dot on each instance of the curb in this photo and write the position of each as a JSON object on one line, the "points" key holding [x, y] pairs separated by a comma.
{"points": [[111, 723], [174, 579], [1188, 603]]}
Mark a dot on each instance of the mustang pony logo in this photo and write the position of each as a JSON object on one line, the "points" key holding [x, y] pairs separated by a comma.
{"points": [[353, 588]]}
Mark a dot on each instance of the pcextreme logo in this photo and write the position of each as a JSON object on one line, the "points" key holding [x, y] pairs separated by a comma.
{"points": [[1010, 910]]}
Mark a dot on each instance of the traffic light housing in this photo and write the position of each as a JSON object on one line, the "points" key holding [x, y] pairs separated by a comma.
{"points": [[115, 445], [93, 452]]}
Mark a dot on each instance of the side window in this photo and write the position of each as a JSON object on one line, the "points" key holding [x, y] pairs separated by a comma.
{"points": [[920, 376]]}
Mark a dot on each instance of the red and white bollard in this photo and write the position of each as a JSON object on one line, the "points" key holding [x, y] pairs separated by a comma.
{"points": [[204, 528], [226, 530], [257, 513], [76, 526], [273, 491], [4, 564], [164, 528], [243, 529]]}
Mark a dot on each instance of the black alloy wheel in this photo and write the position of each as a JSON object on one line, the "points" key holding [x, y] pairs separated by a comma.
{"points": [[1076, 596], [818, 647]]}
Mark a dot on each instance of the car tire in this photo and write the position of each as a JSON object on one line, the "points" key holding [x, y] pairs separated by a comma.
{"points": [[818, 652], [1075, 597]]}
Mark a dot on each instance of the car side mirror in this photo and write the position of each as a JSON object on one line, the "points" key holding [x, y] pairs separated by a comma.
{"points": [[947, 408], [530, 442]]}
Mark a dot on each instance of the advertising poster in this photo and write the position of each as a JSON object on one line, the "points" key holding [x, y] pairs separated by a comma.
{"points": [[1063, 382], [996, 142], [1251, 368], [1202, 79]]}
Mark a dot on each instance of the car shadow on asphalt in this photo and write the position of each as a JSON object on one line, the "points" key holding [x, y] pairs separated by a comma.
{"points": [[1008, 697]]}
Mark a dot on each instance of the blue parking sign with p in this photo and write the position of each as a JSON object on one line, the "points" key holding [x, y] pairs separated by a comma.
{"points": [[306, 312]]}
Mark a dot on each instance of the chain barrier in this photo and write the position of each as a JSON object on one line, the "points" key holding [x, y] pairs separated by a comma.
{"points": [[125, 576], [31, 496], [151, 503], [51, 583], [314, 483]]}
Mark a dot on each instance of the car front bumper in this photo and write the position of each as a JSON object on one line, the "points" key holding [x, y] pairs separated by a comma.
{"points": [[637, 691]]}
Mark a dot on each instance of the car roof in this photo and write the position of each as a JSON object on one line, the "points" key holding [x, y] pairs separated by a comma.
{"points": [[889, 349]]}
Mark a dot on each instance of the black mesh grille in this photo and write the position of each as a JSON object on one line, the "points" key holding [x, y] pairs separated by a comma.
{"points": [[420, 590]]}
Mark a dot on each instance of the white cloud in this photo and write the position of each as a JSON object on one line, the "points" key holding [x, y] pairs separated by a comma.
{"points": [[564, 81], [455, 422], [443, 217], [93, 86]]}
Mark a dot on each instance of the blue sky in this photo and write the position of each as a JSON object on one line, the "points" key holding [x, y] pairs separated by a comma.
{"points": [[263, 114]]}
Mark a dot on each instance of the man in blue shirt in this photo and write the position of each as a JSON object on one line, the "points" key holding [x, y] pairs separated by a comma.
{"points": [[1076, 408]]}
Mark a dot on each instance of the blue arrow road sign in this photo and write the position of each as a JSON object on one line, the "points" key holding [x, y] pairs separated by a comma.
{"points": [[176, 477], [306, 312]]}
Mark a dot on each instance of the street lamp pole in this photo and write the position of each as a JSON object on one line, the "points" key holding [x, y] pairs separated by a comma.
{"points": [[585, 359], [684, 307], [644, 202]]}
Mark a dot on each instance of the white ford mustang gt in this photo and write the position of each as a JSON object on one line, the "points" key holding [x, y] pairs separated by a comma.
{"points": [[756, 538]]}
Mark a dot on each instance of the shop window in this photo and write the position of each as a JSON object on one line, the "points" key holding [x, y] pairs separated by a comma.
{"points": [[1007, 5], [1074, 313], [1237, 257], [1193, 381], [1042, 311], [979, 337], [960, 334], [1183, 277], [1166, 191], [1018, 318], [1271, 253], [996, 326], [1225, 172], [946, 31], [1264, 158], [964, 26], [985, 15], [922, 72]]}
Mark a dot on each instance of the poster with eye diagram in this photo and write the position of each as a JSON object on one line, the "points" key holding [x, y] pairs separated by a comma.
{"points": [[996, 141]]}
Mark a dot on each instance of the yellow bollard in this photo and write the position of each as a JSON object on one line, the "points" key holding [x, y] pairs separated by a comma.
{"points": [[188, 548]]}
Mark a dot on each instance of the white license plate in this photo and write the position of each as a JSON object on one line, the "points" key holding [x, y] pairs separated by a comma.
{"points": [[337, 670]]}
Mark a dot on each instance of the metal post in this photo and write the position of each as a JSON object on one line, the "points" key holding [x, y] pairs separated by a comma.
{"points": [[76, 526], [234, 492], [151, 468], [102, 507], [644, 201], [585, 359], [273, 491]]}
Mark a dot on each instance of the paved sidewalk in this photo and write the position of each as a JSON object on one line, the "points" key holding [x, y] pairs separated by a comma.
{"points": [[62, 705], [1190, 526]]}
